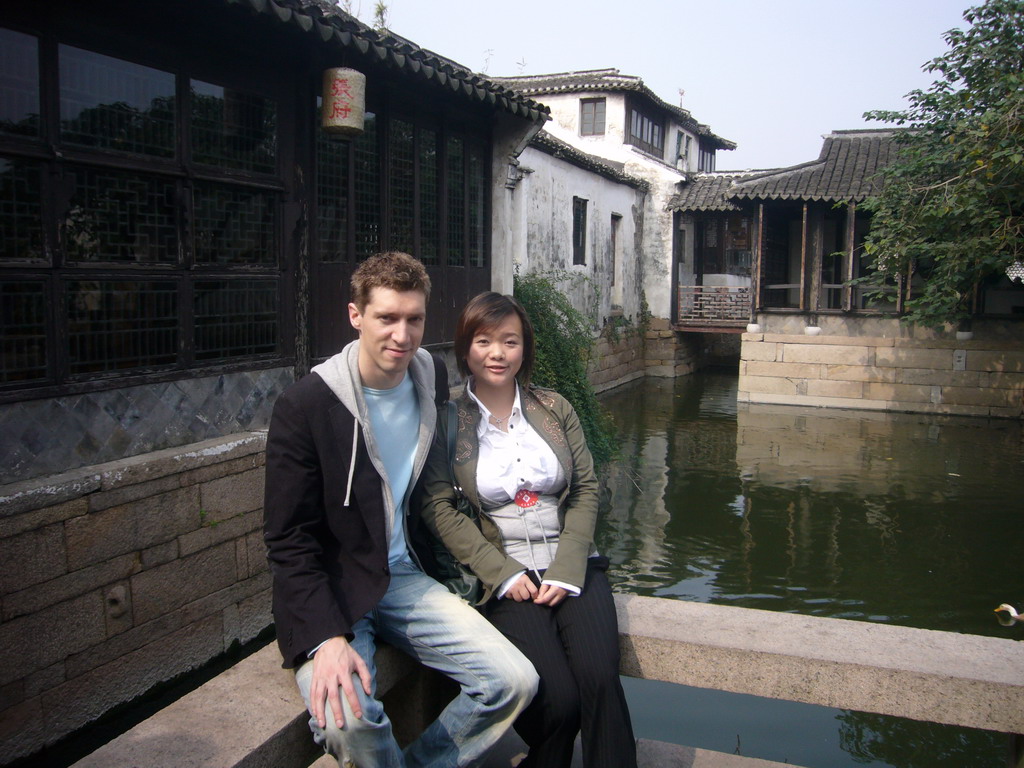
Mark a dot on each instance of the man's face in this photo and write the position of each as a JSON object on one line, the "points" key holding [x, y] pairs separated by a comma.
{"points": [[390, 331]]}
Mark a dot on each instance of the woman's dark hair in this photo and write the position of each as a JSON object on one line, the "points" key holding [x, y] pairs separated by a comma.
{"points": [[483, 312]]}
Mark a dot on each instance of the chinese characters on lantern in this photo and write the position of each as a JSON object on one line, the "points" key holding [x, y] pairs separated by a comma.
{"points": [[344, 97]]}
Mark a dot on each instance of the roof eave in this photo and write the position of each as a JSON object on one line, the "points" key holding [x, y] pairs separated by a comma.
{"points": [[330, 25]]}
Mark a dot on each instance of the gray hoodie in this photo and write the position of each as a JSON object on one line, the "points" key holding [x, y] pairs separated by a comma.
{"points": [[341, 374]]}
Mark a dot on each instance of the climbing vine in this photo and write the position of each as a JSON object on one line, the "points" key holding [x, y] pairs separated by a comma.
{"points": [[564, 345]]}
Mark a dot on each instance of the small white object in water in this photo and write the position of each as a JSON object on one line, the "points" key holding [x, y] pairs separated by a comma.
{"points": [[1013, 617]]}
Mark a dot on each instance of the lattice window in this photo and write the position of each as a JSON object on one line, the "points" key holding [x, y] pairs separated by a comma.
{"points": [[233, 129], [128, 287], [235, 317], [121, 216], [22, 330], [121, 324], [21, 215], [476, 208], [456, 166], [114, 104], [332, 196], [234, 225], [19, 83], [430, 199], [430, 186], [401, 167], [367, 190]]}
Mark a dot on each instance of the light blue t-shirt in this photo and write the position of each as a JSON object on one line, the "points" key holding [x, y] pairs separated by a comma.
{"points": [[395, 419]]}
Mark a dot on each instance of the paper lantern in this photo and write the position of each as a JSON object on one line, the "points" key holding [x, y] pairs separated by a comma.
{"points": [[344, 102]]}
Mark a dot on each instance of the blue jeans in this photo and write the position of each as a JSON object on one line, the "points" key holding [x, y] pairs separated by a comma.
{"points": [[421, 617]]}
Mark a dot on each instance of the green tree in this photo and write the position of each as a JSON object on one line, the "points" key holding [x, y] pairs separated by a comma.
{"points": [[952, 202], [564, 343]]}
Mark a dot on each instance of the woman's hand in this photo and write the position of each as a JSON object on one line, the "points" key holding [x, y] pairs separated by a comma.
{"points": [[550, 595], [523, 589]]}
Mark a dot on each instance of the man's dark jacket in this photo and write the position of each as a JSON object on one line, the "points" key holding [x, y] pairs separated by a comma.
{"points": [[325, 514]]}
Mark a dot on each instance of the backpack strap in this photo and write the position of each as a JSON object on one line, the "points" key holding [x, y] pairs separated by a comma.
{"points": [[440, 381]]}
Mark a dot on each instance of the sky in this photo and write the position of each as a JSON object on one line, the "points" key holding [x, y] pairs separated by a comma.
{"points": [[774, 76]]}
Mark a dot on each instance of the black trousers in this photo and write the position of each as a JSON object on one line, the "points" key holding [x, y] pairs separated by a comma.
{"points": [[575, 649]]}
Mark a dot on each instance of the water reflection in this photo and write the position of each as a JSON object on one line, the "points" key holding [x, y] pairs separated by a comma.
{"points": [[897, 518]]}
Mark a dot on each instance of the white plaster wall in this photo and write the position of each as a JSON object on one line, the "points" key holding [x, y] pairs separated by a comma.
{"points": [[545, 196], [655, 220], [508, 215], [657, 233]]}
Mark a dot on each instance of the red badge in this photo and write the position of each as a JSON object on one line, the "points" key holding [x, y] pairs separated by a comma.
{"points": [[526, 498]]}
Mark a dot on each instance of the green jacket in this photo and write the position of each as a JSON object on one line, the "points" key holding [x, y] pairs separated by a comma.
{"points": [[480, 547]]}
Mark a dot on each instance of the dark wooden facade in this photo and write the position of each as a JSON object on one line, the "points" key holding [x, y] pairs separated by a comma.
{"points": [[170, 208], [801, 229]]}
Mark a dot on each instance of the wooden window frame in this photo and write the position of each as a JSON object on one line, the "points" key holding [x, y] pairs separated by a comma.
{"points": [[60, 161], [644, 130], [589, 122], [579, 231]]}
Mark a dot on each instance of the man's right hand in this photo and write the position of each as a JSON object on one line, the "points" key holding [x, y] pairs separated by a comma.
{"points": [[334, 663]]}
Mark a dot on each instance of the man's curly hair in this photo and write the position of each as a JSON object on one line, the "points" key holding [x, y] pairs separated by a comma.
{"points": [[391, 269]]}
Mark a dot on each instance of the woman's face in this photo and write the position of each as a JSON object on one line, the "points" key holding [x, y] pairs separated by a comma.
{"points": [[496, 354]]}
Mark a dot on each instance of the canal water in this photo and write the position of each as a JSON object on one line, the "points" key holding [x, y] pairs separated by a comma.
{"points": [[914, 520]]}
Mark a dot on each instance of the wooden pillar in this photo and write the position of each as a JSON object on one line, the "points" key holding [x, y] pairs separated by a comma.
{"points": [[816, 241], [755, 269], [851, 234], [803, 259]]}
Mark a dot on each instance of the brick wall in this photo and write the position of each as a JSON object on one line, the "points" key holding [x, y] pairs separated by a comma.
{"points": [[120, 576], [928, 374], [713, 303]]}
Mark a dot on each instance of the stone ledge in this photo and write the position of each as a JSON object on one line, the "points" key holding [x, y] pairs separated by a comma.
{"points": [[838, 341], [28, 495], [1009, 346], [941, 677], [251, 716], [868, 404]]}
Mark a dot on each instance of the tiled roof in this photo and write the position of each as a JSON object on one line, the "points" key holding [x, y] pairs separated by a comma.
{"points": [[708, 192], [555, 147], [326, 23], [606, 80], [846, 169]]}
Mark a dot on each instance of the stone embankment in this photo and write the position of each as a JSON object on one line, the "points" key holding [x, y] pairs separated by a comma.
{"points": [[251, 716]]}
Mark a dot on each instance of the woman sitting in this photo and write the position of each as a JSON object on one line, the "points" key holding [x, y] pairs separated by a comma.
{"points": [[522, 461]]}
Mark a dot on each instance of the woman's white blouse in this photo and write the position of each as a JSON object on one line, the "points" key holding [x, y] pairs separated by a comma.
{"points": [[513, 460], [508, 463]]}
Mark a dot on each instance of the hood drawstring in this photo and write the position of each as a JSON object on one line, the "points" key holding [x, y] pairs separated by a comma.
{"points": [[352, 463]]}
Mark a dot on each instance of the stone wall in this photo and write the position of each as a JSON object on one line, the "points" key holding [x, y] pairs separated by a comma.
{"points": [[47, 436], [628, 353], [923, 374], [616, 359], [119, 576], [668, 353]]}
